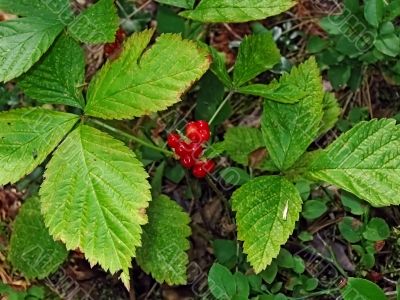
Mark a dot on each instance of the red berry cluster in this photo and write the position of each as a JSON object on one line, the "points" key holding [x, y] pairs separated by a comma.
{"points": [[191, 149], [114, 48]]}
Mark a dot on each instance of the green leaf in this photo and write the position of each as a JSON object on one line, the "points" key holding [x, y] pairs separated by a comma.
{"points": [[331, 113], [27, 137], [140, 83], [218, 66], [164, 242], [210, 96], [364, 161], [240, 142], [283, 91], [388, 42], [257, 53], [212, 11], [225, 252], [289, 129], [313, 209], [54, 9], [22, 42], [351, 229], [32, 250], [376, 230], [373, 12], [221, 282], [97, 24], [94, 198], [316, 44], [179, 3], [267, 209], [234, 176], [57, 78], [362, 289], [339, 76]]}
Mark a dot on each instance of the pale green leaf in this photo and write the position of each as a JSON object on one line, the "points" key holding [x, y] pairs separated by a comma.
{"points": [[331, 113], [257, 53], [59, 76], [164, 242], [32, 250], [94, 198], [364, 161], [211, 11], [275, 91], [240, 142], [179, 3], [267, 209], [27, 137], [140, 83], [54, 9], [290, 128], [97, 24], [22, 42]]}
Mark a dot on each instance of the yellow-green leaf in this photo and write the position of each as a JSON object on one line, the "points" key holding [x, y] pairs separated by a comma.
{"points": [[139, 82], [94, 198]]}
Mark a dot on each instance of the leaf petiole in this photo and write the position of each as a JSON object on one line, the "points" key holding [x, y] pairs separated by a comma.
{"points": [[131, 137]]}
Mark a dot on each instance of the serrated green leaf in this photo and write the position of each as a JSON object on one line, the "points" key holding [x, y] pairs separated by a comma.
{"points": [[59, 76], [32, 250], [22, 42], [140, 83], [211, 11], [331, 113], [239, 142], [54, 9], [27, 137], [97, 24], [283, 92], [94, 198], [257, 53], [289, 129], [221, 282], [164, 242], [179, 3], [364, 161], [267, 209]]}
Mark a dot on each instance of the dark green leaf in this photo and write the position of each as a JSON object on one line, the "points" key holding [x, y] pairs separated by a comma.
{"points": [[179, 3], [376, 230], [361, 289], [373, 12]]}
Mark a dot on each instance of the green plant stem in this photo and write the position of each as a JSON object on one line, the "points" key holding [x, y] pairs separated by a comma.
{"points": [[131, 137], [221, 106], [320, 293]]}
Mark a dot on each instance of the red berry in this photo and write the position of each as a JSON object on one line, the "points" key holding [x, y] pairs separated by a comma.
{"points": [[183, 149], [198, 132], [197, 150], [173, 140], [199, 172], [203, 125], [205, 135], [187, 161], [209, 166], [201, 169]]}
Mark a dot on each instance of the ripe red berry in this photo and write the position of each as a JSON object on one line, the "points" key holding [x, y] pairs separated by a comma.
{"points": [[198, 132], [203, 125], [197, 150], [173, 140], [183, 149], [201, 169], [187, 161]]}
